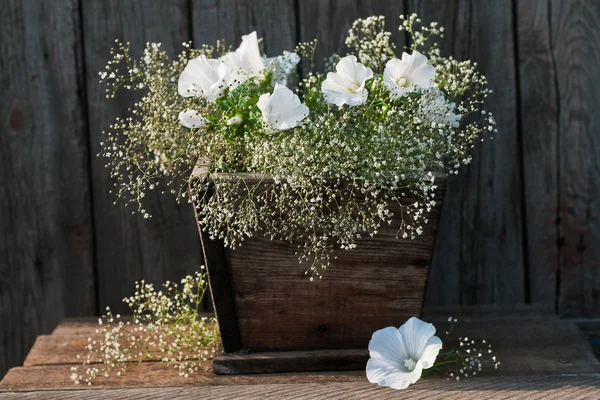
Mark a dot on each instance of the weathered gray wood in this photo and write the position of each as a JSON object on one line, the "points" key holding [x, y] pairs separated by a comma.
{"points": [[328, 21], [278, 308], [479, 249], [46, 251], [273, 20], [547, 387], [129, 247], [575, 45], [539, 138]]}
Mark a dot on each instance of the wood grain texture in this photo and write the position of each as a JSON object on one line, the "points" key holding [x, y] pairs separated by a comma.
{"points": [[479, 251], [377, 284], [328, 21], [539, 138], [576, 52], [152, 374], [525, 346], [129, 247], [273, 20], [46, 249], [548, 388]]}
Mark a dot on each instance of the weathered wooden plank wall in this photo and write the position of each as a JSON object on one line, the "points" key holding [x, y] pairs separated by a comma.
{"points": [[46, 245], [520, 224]]}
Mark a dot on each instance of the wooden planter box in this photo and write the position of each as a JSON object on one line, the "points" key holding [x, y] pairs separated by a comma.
{"points": [[274, 319]]}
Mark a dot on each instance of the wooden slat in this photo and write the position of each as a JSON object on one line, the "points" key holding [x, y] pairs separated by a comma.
{"points": [[46, 248], [479, 256], [151, 374], [542, 387], [130, 247], [575, 45], [539, 137], [328, 21], [273, 20], [548, 388]]}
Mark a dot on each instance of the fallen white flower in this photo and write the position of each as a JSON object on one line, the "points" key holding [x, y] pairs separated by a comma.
{"points": [[407, 75], [398, 356], [281, 110], [347, 84], [191, 119]]}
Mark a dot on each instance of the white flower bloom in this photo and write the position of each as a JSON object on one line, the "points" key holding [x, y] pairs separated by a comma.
{"points": [[245, 62], [398, 356], [406, 75], [202, 77], [282, 66], [281, 110], [435, 109], [235, 121], [191, 119], [347, 84]]}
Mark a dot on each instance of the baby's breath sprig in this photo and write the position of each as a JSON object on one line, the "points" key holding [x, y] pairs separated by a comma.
{"points": [[470, 358], [165, 326]]}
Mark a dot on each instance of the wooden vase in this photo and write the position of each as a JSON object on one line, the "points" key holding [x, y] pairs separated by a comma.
{"points": [[273, 318]]}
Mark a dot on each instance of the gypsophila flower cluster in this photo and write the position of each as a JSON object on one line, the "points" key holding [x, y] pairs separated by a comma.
{"points": [[469, 358], [328, 156], [165, 326]]}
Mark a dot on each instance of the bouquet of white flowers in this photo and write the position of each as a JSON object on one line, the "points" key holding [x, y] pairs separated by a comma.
{"points": [[337, 146]]}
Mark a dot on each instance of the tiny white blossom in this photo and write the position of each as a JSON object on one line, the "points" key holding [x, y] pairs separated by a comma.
{"points": [[398, 356], [235, 121], [347, 84], [202, 77], [281, 110], [191, 119], [406, 75], [282, 66]]}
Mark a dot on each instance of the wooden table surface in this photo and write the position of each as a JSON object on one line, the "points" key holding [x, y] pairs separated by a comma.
{"points": [[542, 357]]}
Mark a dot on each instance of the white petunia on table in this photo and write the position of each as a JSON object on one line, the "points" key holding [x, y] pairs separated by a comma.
{"points": [[410, 73], [347, 85], [281, 110], [191, 119], [399, 355], [245, 62], [202, 77]]}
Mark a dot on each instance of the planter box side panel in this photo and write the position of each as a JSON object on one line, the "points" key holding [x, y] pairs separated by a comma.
{"points": [[380, 283]]}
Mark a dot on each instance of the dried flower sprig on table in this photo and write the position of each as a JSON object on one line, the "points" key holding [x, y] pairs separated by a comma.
{"points": [[165, 326]]}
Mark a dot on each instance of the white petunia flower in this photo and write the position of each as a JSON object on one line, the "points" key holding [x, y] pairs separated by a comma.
{"points": [[398, 356], [245, 62], [191, 119], [202, 77], [406, 75], [347, 84], [282, 66], [281, 110]]}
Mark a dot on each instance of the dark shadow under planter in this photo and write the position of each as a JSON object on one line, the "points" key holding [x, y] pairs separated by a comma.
{"points": [[274, 319]]}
